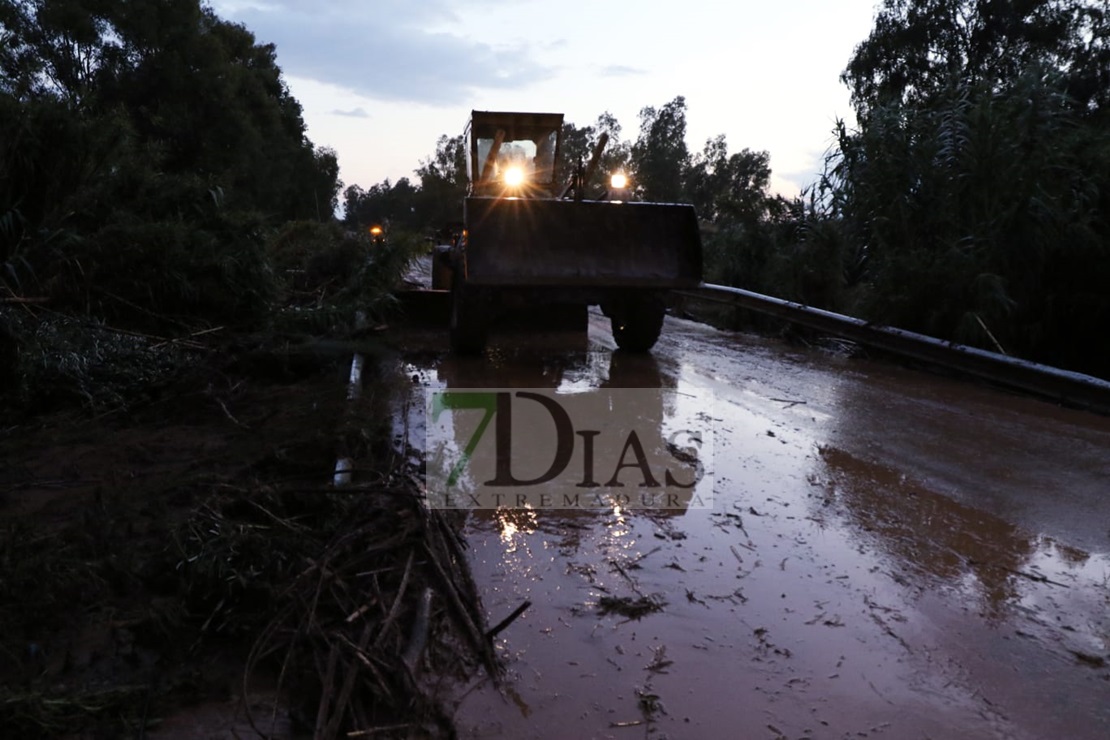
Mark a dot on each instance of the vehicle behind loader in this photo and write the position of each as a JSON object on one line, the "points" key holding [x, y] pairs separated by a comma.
{"points": [[529, 241]]}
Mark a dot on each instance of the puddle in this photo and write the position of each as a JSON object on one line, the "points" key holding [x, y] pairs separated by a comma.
{"points": [[842, 584]]}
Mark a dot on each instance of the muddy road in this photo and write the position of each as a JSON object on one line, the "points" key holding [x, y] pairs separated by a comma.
{"points": [[890, 553]]}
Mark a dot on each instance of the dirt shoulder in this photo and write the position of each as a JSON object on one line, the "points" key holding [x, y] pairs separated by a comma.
{"points": [[189, 551]]}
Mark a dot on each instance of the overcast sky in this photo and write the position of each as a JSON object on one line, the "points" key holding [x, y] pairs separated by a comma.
{"points": [[381, 80]]}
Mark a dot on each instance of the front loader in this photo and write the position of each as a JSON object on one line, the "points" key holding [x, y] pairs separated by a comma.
{"points": [[528, 241]]}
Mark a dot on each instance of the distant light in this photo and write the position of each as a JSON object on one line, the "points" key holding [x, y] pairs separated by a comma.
{"points": [[618, 181], [375, 230], [514, 177]]}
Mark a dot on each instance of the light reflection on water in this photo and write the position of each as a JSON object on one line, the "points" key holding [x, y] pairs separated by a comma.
{"points": [[814, 559], [920, 529]]}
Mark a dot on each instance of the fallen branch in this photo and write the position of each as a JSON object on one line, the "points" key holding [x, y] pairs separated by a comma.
{"points": [[396, 608], [187, 339], [344, 698], [500, 626], [22, 300], [453, 599], [229, 416], [379, 569]]}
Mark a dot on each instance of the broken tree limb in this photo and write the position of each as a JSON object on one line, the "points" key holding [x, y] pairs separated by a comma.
{"points": [[500, 626]]}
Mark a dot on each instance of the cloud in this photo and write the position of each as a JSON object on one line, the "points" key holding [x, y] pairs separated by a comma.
{"points": [[385, 50], [620, 70], [353, 113]]}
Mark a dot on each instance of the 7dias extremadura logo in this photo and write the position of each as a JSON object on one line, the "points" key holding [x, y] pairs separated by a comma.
{"points": [[637, 448]]}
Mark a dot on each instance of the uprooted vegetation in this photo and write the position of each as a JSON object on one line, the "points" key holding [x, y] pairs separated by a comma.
{"points": [[170, 534], [178, 310], [190, 550], [142, 325]]}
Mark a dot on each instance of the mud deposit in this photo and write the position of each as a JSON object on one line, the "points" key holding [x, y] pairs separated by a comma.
{"points": [[890, 554]]}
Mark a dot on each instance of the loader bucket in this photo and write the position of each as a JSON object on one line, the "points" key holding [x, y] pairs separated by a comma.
{"points": [[534, 242]]}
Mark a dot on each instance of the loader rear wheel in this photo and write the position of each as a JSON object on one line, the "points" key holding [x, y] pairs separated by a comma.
{"points": [[468, 320], [637, 324]]}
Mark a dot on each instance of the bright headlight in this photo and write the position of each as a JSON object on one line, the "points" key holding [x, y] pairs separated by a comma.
{"points": [[514, 176], [618, 181]]}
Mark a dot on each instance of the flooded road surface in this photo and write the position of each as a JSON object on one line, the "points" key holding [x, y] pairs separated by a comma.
{"points": [[889, 554]]}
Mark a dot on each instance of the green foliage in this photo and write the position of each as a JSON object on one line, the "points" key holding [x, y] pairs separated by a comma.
{"points": [[970, 208], [331, 274], [443, 182], [146, 152], [918, 47], [62, 360], [659, 156], [396, 204], [724, 187], [729, 188], [113, 112], [180, 269], [215, 102], [48, 156], [976, 189], [792, 251], [149, 153], [578, 145]]}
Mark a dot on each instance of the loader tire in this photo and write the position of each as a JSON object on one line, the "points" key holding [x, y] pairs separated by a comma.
{"points": [[468, 321], [637, 323]]}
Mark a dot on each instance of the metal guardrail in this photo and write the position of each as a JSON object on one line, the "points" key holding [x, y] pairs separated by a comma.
{"points": [[1060, 385]]}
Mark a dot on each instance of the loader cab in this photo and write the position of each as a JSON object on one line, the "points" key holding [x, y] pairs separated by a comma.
{"points": [[513, 154]]}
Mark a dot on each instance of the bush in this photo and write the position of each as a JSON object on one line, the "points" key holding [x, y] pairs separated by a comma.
{"points": [[330, 273], [799, 255], [983, 216]]}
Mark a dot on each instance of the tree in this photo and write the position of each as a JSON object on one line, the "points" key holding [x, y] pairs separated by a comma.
{"points": [[659, 156], [730, 188], [216, 102], [575, 146], [443, 182], [578, 145], [53, 47], [447, 166], [976, 187], [918, 46], [143, 143], [194, 98], [353, 197], [385, 202], [324, 181]]}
